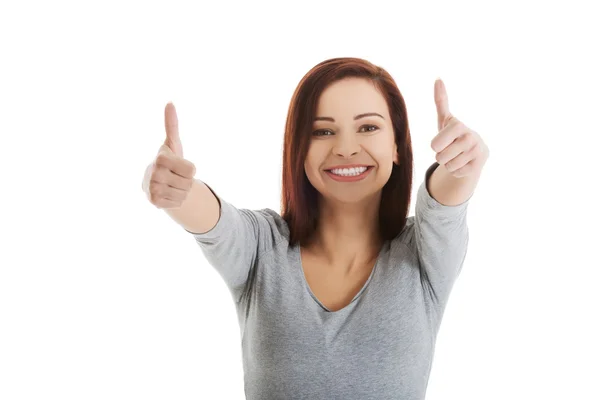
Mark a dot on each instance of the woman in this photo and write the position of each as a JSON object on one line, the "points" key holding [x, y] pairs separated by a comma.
{"points": [[341, 296]]}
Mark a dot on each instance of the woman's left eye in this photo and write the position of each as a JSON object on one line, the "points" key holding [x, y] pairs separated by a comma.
{"points": [[370, 126]]}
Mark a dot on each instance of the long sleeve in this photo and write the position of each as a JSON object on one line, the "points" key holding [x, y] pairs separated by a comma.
{"points": [[233, 245], [440, 237]]}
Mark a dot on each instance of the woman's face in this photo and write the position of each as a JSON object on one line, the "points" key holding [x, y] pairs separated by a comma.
{"points": [[340, 136]]}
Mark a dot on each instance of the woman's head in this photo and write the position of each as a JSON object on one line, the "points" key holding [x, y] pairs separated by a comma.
{"points": [[326, 128]]}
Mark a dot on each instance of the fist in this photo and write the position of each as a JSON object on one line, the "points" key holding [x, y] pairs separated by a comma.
{"points": [[169, 178]]}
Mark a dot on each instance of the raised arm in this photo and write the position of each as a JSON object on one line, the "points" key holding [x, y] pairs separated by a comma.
{"points": [[230, 238]]}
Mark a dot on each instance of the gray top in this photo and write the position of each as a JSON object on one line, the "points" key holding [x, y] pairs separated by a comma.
{"points": [[380, 346]]}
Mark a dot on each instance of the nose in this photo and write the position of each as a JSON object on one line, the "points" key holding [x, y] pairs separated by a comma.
{"points": [[346, 146]]}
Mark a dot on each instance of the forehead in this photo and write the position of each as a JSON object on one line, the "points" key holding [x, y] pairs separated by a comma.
{"points": [[349, 97]]}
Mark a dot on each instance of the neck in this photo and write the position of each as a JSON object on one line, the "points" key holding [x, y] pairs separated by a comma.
{"points": [[347, 237]]}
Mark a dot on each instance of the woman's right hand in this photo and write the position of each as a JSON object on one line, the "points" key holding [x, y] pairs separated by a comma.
{"points": [[169, 178]]}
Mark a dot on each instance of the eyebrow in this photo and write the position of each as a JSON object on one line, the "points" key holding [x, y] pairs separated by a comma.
{"points": [[369, 114]]}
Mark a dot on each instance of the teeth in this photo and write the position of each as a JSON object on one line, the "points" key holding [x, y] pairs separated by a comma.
{"points": [[349, 171]]}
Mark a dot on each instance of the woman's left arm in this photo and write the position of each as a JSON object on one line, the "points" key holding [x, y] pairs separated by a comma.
{"points": [[440, 236]]}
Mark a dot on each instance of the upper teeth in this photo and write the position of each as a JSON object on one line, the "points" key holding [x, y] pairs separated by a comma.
{"points": [[349, 171]]}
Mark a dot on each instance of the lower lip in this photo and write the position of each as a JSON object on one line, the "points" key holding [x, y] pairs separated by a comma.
{"points": [[349, 178]]}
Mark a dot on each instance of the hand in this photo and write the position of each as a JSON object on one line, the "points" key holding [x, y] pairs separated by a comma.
{"points": [[169, 178], [459, 149]]}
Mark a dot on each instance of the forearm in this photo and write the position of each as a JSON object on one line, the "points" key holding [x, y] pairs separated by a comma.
{"points": [[199, 212], [449, 190]]}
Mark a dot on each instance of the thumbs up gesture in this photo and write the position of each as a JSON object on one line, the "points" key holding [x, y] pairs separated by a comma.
{"points": [[459, 149], [169, 178]]}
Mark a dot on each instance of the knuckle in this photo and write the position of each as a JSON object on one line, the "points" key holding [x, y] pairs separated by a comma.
{"points": [[153, 189], [161, 204], [162, 159], [188, 169], [154, 175]]}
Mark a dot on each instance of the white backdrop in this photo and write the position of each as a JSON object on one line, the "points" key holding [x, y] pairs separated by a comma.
{"points": [[103, 296]]}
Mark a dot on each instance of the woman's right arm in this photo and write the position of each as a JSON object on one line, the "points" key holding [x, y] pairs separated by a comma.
{"points": [[199, 212], [230, 238]]}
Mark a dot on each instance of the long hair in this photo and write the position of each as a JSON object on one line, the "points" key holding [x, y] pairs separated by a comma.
{"points": [[299, 200]]}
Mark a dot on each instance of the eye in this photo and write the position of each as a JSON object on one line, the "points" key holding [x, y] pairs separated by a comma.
{"points": [[370, 126], [318, 133], [321, 132]]}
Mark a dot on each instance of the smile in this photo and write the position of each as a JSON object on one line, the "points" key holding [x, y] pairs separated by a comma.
{"points": [[349, 178]]}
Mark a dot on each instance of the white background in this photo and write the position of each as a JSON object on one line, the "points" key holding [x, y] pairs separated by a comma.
{"points": [[103, 296]]}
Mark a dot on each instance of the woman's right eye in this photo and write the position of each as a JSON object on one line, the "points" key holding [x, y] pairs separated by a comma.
{"points": [[318, 133]]}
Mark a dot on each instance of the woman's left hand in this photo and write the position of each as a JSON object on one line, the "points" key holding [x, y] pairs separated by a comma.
{"points": [[459, 149]]}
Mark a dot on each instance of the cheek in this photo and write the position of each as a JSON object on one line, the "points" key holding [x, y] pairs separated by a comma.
{"points": [[308, 163], [310, 168], [313, 159]]}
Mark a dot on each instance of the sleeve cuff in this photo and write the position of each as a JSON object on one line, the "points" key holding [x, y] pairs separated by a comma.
{"points": [[432, 205]]}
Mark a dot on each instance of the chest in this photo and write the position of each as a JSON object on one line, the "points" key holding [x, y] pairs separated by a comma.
{"points": [[385, 338], [335, 290]]}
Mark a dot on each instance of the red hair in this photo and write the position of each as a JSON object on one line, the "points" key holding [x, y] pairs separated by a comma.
{"points": [[299, 207]]}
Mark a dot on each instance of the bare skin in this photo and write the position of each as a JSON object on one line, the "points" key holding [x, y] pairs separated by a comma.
{"points": [[347, 242]]}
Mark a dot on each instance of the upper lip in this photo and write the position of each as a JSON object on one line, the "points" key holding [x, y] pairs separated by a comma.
{"points": [[347, 166]]}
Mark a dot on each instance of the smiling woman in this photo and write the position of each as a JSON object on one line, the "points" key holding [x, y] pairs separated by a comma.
{"points": [[342, 295], [350, 144], [345, 105]]}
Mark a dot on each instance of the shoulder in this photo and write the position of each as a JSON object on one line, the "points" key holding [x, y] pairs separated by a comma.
{"points": [[273, 228]]}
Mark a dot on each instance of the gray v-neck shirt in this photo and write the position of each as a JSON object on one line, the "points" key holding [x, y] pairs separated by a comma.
{"points": [[380, 346]]}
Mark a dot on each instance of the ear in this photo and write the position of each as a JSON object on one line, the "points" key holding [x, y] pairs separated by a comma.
{"points": [[396, 158]]}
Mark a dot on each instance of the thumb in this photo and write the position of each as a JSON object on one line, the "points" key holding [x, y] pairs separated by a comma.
{"points": [[441, 104], [173, 140]]}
